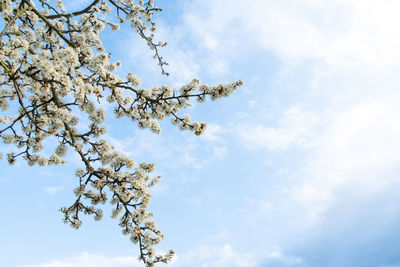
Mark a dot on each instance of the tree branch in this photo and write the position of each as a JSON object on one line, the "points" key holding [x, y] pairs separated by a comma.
{"points": [[77, 13], [12, 21], [51, 26]]}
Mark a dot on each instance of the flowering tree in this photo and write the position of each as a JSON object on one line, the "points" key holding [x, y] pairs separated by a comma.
{"points": [[54, 68]]}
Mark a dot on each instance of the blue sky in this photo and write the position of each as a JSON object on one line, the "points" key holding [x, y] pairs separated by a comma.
{"points": [[300, 167]]}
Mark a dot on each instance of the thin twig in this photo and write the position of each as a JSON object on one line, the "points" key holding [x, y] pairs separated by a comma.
{"points": [[51, 26], [12, 21], [73, 14]]}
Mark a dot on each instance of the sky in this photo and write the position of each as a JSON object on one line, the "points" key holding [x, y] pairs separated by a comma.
{"points": [[299, 167]]}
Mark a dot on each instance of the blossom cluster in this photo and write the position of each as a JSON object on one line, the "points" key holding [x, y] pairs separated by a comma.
{"points": [[54, 70]]}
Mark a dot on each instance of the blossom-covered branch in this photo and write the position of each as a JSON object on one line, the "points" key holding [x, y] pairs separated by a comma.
{"points": [[54, 67]]}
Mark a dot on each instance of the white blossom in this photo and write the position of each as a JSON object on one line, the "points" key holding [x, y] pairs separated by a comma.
{"points": [[55, 71]]}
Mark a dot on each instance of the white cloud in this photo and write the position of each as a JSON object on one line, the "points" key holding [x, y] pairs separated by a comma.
{"points": [[339, 32], [226, 255], [219, 255], [203, 255], [296, 127], [256, 209], [347, 116], [212, 132], [4, 180], [276, 257], [197, 199], [52, 190], [359, 150], [91, 260], [352, 139], [219, 152]]}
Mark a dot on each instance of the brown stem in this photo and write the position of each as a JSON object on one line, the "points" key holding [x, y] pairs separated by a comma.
{"points": [[77, 13], [51, 26], [12, 21]]}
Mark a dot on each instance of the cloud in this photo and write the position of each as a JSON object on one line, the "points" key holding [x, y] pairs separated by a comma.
{"points": [[52, 190], [91, 260], [358, 149], [338, 127], [297, 127], [347, 124], [338, 32], [255, 210], [203, 255], [219, 255], [276, 258], [212, 132], [226, 255], [344, 186]]}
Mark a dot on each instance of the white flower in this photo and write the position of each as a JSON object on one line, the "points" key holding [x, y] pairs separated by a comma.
{"points": [[134, 80], [8, 139], [99, 215], [56, 70], [115, 26], [155, 126]]}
